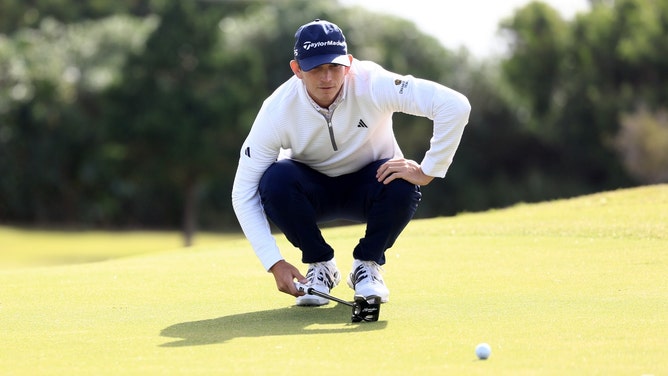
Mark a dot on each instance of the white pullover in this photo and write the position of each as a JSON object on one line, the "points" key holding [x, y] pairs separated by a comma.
{"points": [[290, 125]]}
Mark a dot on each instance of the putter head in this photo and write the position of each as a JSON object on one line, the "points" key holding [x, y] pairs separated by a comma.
{"points": [[366, 309]]}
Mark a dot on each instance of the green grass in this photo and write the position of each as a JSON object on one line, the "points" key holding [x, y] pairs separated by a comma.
{"points": [[29, 247], [571, 287]]}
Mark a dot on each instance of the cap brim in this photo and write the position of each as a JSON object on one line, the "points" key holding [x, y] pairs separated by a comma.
{"points": [[313, 61]]}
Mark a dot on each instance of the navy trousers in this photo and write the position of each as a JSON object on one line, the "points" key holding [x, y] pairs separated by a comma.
{"points": [[296, 198]]}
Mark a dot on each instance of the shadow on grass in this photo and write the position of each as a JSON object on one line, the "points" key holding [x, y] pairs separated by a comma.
{"points": [[284, 321]]}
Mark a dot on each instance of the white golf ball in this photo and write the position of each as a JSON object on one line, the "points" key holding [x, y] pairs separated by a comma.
{"points": [[483, 351]]}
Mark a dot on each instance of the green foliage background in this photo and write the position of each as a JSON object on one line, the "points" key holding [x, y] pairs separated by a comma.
{"points": [[130, 115]]}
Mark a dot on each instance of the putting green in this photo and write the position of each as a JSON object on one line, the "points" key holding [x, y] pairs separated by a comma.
{"points": [[573, 287]]}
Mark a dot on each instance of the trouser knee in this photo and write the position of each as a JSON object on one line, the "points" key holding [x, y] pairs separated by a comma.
{"points": [[277, 181], [400, 194]]}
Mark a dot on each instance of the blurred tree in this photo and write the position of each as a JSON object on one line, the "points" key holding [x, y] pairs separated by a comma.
{"points": [[19, 14], [167, 118], [574, 81], [538, 41], [499, 162], [126, 121], [643, 145], [618, 61], [49, 115]]}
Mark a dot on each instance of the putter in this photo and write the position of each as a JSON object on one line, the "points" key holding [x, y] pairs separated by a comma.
{"points": [[364, 309]]}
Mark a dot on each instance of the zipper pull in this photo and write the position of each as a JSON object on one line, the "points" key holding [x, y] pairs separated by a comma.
{"points": [[331, 134]]}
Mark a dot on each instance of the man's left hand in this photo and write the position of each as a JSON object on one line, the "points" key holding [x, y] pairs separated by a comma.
{"points": [[406, 169]]}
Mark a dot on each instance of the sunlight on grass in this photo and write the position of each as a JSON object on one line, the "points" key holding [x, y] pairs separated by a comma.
{"points": [[571, 287], [26, 247]]}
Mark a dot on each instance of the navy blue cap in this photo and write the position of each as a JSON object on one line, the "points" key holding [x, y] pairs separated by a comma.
{"points": [[320, 42]]}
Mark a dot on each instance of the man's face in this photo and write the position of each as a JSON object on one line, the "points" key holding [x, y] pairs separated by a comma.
{"points": [[323, 82]]}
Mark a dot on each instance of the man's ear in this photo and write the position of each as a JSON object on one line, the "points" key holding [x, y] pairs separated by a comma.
{"points": [[294, 65], [350, 58]]}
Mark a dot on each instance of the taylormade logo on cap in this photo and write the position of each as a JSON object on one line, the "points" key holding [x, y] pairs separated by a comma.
{"points": [[320, 42], [308, 44]]}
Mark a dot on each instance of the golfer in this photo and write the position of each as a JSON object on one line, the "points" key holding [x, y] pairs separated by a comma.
{"points": [[322, 148]]}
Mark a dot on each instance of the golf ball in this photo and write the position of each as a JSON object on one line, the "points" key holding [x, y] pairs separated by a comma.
{"points": [[483, 351]]}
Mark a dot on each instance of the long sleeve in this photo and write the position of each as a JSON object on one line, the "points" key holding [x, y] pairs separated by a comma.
{"points": [[448, 109], [450, 112], [258, 152]]}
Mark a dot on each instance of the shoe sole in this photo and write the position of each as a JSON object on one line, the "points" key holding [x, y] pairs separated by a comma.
{"points": [[311, 301], [383, 299]]}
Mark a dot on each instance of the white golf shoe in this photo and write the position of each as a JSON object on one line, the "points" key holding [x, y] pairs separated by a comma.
{"points": [[366, 279], [322, 276]]}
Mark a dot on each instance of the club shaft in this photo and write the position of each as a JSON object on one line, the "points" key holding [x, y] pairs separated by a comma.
{"points": [[313, 291]]}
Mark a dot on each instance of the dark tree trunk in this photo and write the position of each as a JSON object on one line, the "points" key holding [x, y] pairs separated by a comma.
{"points": [[190, 213]]}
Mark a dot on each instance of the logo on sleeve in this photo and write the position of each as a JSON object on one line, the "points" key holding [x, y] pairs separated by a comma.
{"points": [[401, 84]]}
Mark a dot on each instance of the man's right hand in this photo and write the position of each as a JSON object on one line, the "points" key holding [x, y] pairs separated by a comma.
{"points": [[285, 275]]}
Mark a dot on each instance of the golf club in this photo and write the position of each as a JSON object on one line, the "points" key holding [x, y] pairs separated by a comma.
{"points": [[364, 309]]}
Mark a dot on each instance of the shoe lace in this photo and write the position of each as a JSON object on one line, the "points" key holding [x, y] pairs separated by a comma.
{"points": [[321, 273], [367, 269]]}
